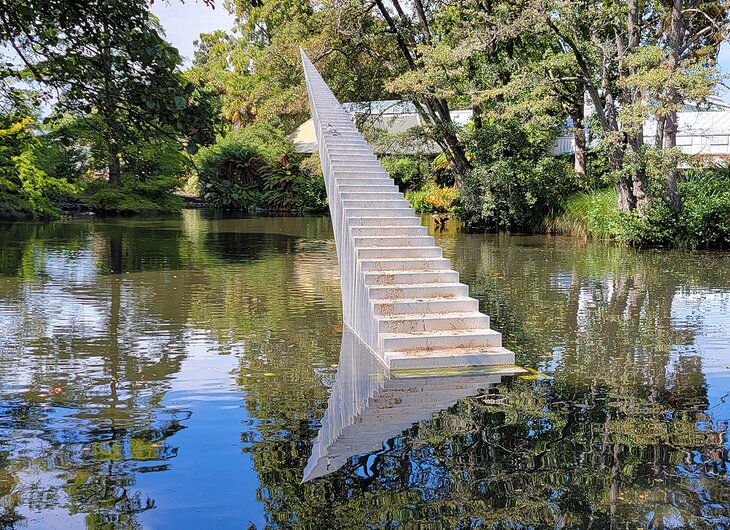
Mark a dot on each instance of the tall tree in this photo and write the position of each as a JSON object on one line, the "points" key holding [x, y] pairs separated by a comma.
{"points": [[106, 60], [692, 31], [413, 32]]}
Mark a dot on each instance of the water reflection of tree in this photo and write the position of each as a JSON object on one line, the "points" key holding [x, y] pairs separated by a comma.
{"points": [[618, 438], [264, 296], [92, 402]]}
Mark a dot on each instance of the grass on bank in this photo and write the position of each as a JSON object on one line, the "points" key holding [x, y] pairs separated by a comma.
{"points": [[593, 214], [703, 219]]}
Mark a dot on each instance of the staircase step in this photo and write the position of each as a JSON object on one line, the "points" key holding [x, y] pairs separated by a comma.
{"points": [[392, 241], [399, 264], [409, 360], [441, 340], [353, 157], [352, 167], [375, 203], [388, 230], [432, 322], [384, 221], [380, 212], [361, 172], [385, 307], [425, 290], [410, 277], [399, 252], [339, 150], [366, 188], [370, 195], [364, 181]]}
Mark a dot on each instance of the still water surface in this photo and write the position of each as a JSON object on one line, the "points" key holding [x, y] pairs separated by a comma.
{"points": [[175, 374]]}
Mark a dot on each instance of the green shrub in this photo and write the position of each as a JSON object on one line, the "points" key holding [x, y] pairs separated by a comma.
{"points": [[151, 194], [25, 189], [705, 214], [514, 184], [703, 220], [67, 162], [407, 172], [230, 173], [433, 198], [256, 167], [517, 195], [310, 189]]}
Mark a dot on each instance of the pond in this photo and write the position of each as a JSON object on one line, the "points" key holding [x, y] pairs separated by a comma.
{"points": [[175, 373]]}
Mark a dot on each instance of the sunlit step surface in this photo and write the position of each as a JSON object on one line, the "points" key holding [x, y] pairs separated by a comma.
{"points": [[425, 290], [415, 323], [412, 360], [396, 264], [462, 304], [398, 252], [410, 277]]}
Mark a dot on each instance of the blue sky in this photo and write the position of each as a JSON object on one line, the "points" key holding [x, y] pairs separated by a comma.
{"points": [[184, 22]]}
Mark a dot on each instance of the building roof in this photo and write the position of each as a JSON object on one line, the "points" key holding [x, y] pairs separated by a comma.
{"points": [[393, 116]]}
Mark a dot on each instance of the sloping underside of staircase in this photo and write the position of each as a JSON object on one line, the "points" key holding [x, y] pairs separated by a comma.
{"points": [[400, 296]]}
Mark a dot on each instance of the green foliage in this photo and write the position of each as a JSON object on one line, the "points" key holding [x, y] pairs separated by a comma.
{"points": [[155, 155], [702, 222], [258, 76], [514, 185], [256, 168], [705, 215], [25, 188], [152, 194], [433, 198], [37, 188], [115, 72], [61, 159], [407, 172], [231, 172], [310, 189]]}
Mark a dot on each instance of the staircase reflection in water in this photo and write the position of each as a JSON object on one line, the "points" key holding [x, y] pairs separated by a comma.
{"points": [[370, 404]]}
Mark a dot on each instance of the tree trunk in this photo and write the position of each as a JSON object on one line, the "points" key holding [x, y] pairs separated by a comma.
{"points": [[476, 108], [457, 158], [625, 197], [639, 182], [659, 133], [635, 139], [671, 125], [581, 151], [115, 168], [577, 114], [623, 185]]}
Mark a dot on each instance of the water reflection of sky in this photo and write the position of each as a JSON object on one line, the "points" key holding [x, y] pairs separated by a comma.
{"points": [[708, 312], [213, 475]]}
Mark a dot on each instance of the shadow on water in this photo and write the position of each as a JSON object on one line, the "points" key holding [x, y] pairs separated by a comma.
{"points": [[176, 373]]}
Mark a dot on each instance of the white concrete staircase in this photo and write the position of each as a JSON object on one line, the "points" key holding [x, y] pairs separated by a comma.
{"points": [[399, 294]]}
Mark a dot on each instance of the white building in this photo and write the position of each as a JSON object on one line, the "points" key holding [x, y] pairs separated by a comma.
{"points": [[703, 130]]}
